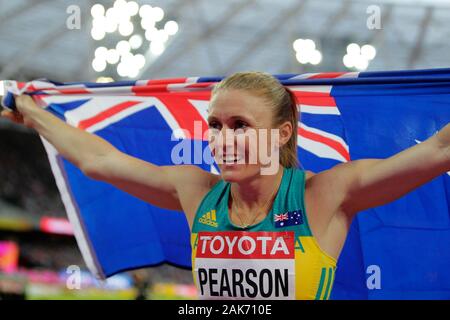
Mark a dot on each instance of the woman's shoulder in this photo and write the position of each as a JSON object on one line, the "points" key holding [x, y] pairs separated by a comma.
{"points": [[308, 174], [194, 184], [196, 175]]}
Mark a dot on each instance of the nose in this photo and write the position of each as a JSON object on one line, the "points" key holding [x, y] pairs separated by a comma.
{"points": [[223, 141], [228, 140]]}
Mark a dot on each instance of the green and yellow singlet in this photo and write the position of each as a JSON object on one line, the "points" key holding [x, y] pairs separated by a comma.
{"points": [[277, 258]]}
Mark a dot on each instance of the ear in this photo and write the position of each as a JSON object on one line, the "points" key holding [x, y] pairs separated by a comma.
{"points": [[285, 130]]}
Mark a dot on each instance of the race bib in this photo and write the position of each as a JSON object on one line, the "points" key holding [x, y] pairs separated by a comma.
{"points": [[244, 265]]}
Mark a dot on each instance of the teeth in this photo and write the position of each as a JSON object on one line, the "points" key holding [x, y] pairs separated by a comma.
{"points": [[232, 159]]}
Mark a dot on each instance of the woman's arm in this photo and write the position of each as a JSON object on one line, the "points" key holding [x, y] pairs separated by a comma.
{"points": [[375, 182], [98, 159], [351, 187]]}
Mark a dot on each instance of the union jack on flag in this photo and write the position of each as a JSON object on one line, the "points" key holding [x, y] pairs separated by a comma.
{"points": [[281, 217], [344, 116]]}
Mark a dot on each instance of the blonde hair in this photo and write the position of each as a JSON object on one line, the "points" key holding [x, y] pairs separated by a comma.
{"points": [[280, 98]]}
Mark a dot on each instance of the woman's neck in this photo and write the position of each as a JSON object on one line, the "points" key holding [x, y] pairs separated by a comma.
{"points": [[253, 194]]}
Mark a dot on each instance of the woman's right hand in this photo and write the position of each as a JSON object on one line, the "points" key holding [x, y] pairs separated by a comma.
{"points": [[22, 115], [15, 117]]}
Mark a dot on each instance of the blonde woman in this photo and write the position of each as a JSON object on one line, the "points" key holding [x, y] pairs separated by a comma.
{"points": [[254, 235]]}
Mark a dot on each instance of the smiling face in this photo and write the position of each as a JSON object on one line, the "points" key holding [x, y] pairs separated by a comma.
{"points": [[236, 119]]}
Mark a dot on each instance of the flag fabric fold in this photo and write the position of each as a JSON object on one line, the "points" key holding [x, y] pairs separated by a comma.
{"points": [[399, 250]]}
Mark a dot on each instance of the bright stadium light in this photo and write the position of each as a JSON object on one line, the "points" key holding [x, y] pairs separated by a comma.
{"points": [[315, 57], [348, 61], [100, 52], [128, 59], [361, 63], [128, 65], [112, 56], [171, 27], [358, 57], [133, 72], [97, 10], [151, 34], [145, 11], [157, 48], [132, 8], [99, 22], [128, 24], [97, 34], [309, 45], [368, 51], [353, 49], [139, 60], [306, 51], [110, 25], [135, 41], [123, 47], [120, 4], [301, 58], [98, 64], [122, 69], [126, 28], [157, 13], [113, 15], [297, 44], [148, 23]]}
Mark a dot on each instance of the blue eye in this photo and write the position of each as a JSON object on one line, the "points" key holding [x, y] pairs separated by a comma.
{"points": [[240, 125], [214, 125]]}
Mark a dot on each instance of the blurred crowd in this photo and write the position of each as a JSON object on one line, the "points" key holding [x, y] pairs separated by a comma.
{"points": [[26, 181], [25, 174]]}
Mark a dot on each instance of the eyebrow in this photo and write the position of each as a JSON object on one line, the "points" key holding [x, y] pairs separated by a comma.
{"points": [[211, 118]]}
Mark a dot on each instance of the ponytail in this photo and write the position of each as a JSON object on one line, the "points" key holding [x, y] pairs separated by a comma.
{"points": [[288, 152]]}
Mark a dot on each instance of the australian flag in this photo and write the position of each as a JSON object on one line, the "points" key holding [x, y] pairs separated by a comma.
{"points": [[290, 218], [344, 116]]}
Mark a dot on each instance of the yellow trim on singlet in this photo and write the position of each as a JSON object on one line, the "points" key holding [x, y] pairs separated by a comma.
{"points": [[311, 281]]}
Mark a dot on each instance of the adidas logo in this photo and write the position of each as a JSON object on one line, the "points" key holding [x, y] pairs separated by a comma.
{"points": [[209, 219]]}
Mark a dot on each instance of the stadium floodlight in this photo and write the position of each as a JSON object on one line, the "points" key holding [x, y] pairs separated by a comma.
{"points": [[306, 51], [134, 22], [359, 57]]}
